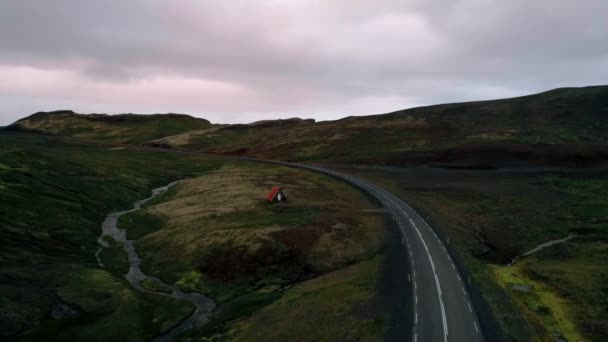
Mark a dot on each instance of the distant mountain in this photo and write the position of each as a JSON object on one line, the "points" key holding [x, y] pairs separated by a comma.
{"points": [[122, 128], [566, 126]]}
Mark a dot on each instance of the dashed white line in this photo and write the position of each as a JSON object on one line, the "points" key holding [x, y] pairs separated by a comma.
{"points": [[469, 304], [475, 324], [438, 286]]}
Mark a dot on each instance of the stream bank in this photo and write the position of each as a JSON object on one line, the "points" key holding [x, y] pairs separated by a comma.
{"points": [[203, 305]]}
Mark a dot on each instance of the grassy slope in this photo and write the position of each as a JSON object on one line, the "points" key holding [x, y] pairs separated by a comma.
{"points": [[54, 196], [216, 234], [504, 131], [569, 115], [333, 307], [124, 128], [491, 217]]}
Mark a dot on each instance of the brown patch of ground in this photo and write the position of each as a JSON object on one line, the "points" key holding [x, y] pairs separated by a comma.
{"points": [[221, 225]]}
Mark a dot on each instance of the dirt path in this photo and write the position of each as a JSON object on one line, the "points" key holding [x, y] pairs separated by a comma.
{"points": [[135, 276]]}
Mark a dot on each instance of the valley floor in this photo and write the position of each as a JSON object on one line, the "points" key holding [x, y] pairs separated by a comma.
{"points": [[309, 268], [317, 267]]}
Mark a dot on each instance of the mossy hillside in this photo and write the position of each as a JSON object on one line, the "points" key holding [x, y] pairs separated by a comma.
{"points": [[124, 128], [505, 131], [336, 306], [221, 226], [110, 310], [490, 217], [217, 234], [509, 129], [54, 197]]}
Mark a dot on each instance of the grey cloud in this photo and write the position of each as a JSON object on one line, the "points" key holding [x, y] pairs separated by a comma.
{"points": [[307, 56]]}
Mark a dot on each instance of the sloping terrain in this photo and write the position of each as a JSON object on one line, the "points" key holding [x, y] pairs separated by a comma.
{"points": [[53, 197], [492, 216], [123, 128], [510, 130], [217, 234], [213, 233], [564, 127]]}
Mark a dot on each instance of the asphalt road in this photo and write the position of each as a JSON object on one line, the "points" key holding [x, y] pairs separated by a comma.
{"points": [[442, 309]]}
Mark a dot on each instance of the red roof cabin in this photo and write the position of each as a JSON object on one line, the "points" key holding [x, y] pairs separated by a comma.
{"points": [[276, 195]]}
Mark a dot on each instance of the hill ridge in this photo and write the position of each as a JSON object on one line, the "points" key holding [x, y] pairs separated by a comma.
{"points": [[566, 119]]}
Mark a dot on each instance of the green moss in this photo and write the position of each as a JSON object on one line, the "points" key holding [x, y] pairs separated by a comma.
{"points": [[108, 307], [325, 308], [54, 197], [491, 217], [155, 285], [115, 260], [139, 223]]}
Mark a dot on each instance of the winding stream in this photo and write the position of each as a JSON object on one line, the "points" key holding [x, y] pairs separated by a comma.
{"points": [[135, 276], [542, 246]]}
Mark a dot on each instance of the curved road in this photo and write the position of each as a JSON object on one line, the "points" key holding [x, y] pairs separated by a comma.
{"points": [[442, 308]]}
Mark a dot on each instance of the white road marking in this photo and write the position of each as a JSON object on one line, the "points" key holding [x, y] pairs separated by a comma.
{"points": [[438, 286], [464, 292], [409, 278], [384, 193], [416, 299], [469, 304], [416, 318]]}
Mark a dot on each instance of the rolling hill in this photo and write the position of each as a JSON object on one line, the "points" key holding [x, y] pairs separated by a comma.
{"points": [[562, 127], [122, 128], [67, 187]]}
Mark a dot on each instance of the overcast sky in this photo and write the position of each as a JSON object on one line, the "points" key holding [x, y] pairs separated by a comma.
{"points": [[241, 61]]}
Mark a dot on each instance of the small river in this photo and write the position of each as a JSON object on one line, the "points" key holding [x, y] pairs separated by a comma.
{"points": [[542, 246], [204, 305]]}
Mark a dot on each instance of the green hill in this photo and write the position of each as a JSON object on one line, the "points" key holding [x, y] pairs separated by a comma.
{"points": [[565, 127], [123, 128]]}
